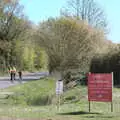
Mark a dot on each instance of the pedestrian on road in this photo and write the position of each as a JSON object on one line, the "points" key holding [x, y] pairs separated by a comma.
{"points": [[20, 75], [14, 72], [11, 74]]}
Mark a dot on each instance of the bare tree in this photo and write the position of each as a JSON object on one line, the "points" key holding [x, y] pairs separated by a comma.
{"points": [[87, 10]]}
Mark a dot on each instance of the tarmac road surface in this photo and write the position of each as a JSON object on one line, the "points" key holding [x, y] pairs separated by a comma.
{"points": [[5, 81]]}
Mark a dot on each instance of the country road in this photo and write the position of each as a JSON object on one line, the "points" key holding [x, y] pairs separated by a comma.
{"points": [[5, 81]]}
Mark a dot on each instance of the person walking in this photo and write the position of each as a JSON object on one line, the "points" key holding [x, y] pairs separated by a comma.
{"points": [[11, 74], [20, 75], [14, 73]]}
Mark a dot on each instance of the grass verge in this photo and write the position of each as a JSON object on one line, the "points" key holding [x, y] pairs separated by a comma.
{"points": [[30, 99]]}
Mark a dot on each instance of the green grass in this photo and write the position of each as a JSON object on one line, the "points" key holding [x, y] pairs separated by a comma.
{"points": [[33, 93], [78, 111], [74, 104]]}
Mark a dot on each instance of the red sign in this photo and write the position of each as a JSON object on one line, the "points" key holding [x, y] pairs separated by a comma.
{"points": [[100, 87]]}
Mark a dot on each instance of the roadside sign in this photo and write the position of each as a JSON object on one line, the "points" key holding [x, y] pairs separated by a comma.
{"points": [[59, 87], [59, 91], [100, 87]]}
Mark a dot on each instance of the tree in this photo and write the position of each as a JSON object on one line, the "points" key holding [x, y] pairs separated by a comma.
{"points": [[16, 33], [12, 25], [68, 42], [87, 10], [11, 17]]}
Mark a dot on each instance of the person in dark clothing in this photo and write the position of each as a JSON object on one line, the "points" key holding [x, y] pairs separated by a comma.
{"points": [[14, 72], [11, 76], [20, 75]]}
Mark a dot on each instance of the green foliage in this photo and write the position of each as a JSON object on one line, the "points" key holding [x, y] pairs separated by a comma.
{"points": [[28, 58], [69, 43], [41, 59], [34, 58], [12, 26]]}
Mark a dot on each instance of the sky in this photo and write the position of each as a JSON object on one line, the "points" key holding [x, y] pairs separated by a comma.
{"points": [[39, 10]]}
